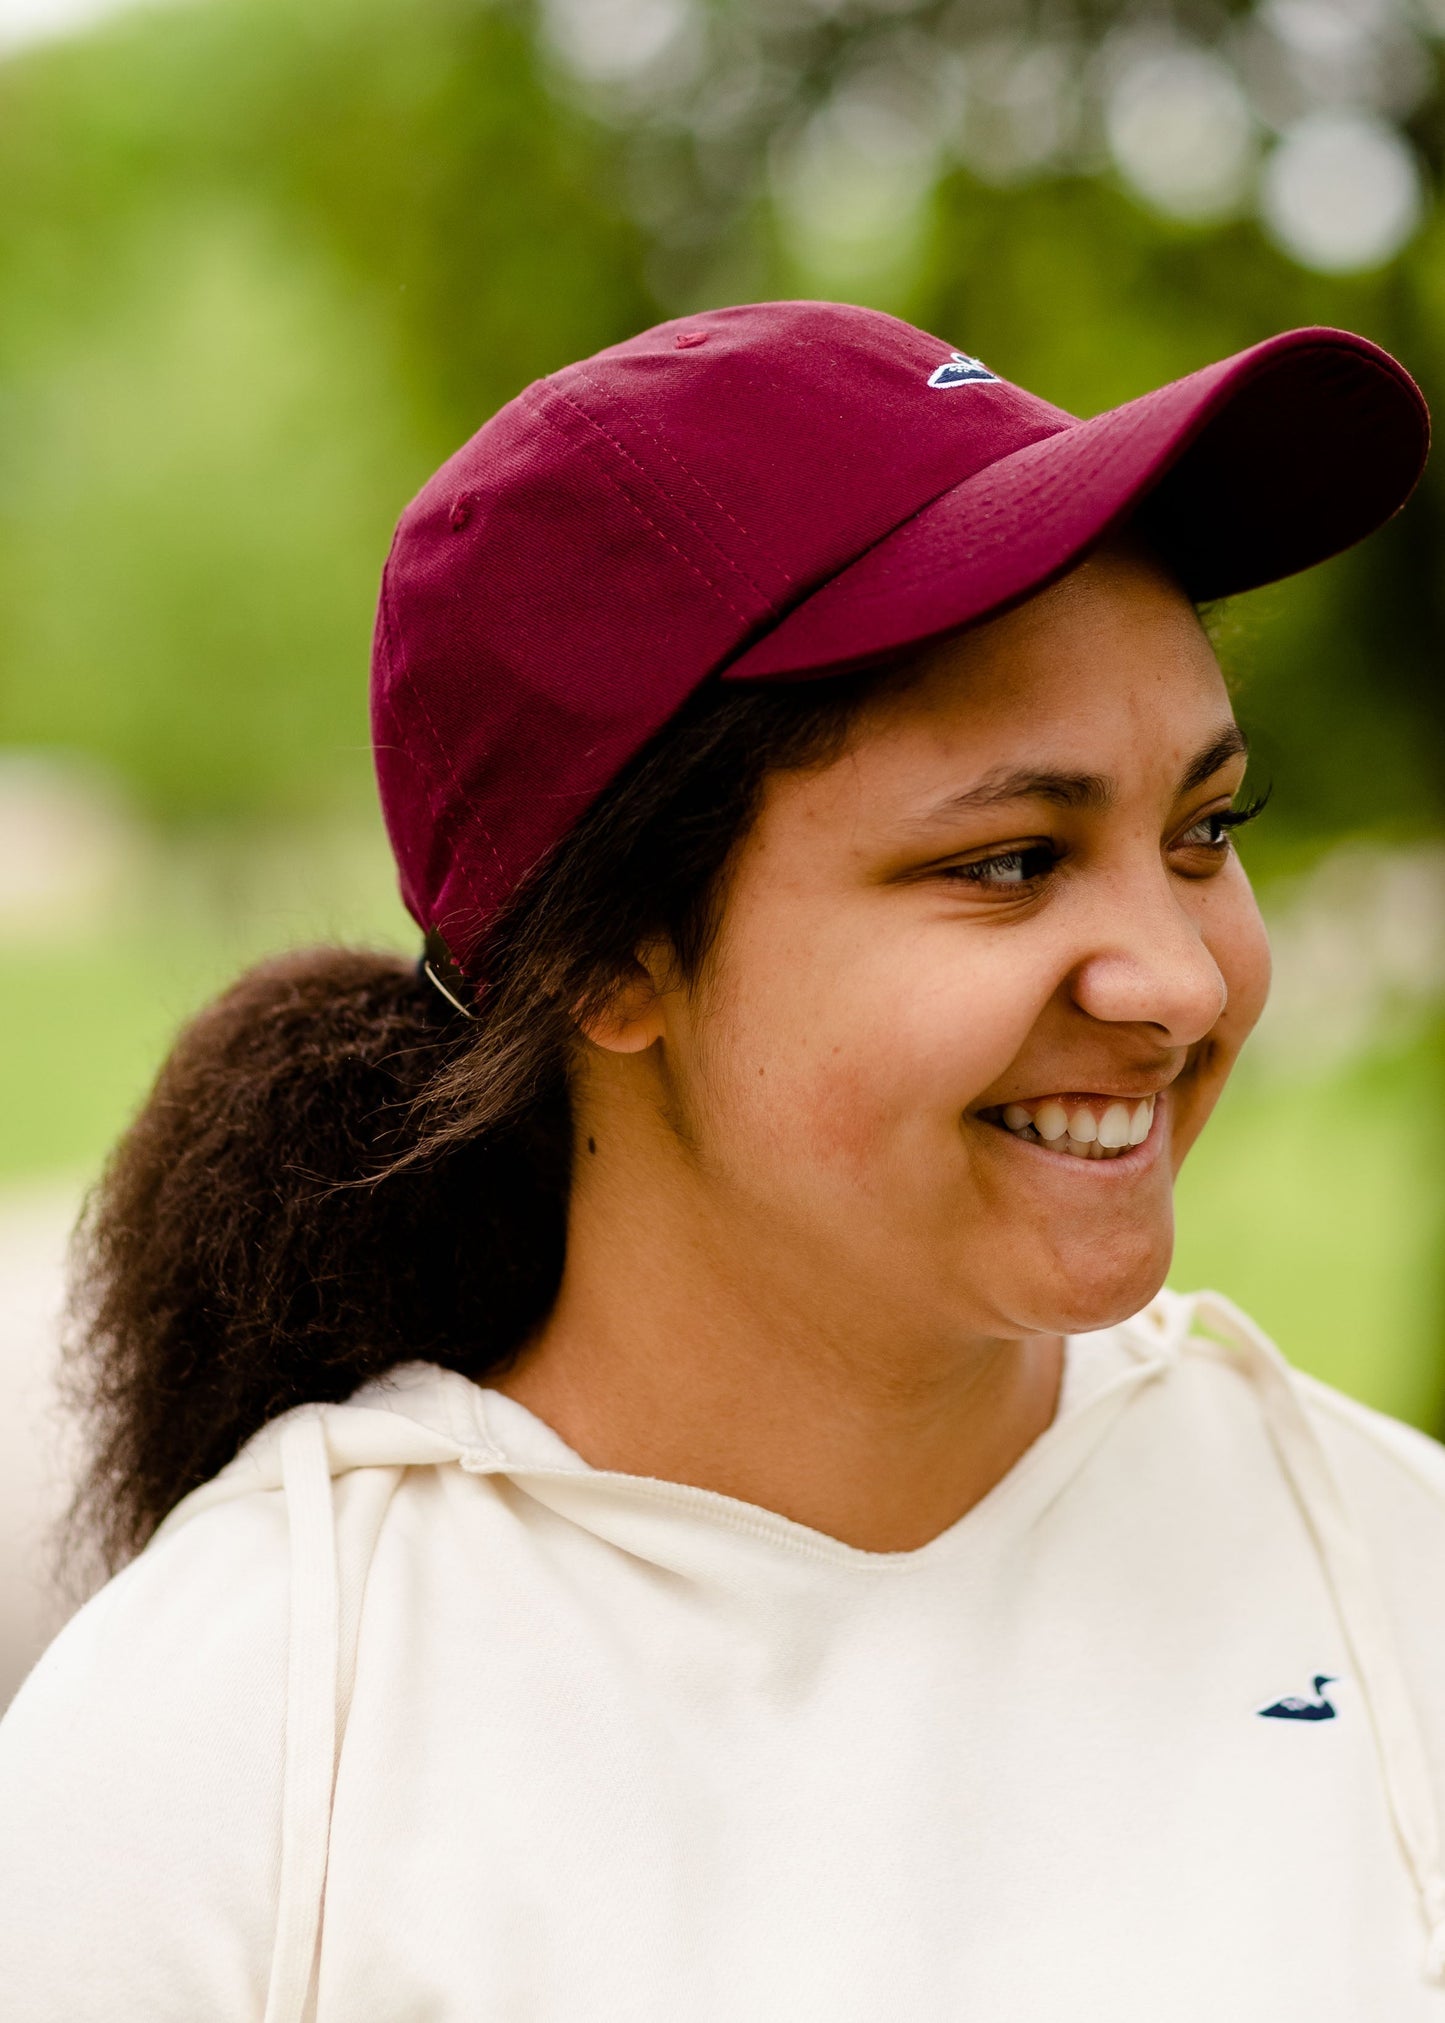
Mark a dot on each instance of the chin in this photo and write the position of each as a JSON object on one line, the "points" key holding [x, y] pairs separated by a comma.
{"points": [[1084, 1295]]}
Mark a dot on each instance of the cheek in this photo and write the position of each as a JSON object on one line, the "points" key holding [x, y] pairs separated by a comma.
{"points": [[860, 1060], [1237, 939], [1240, 945]]}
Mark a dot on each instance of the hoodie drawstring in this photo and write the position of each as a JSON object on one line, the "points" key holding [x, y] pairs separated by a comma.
{"points": [[311, 1685], [1367, 1632]]}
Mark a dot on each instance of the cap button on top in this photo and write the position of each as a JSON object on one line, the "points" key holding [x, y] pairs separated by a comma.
{"points": [[686, 339]]}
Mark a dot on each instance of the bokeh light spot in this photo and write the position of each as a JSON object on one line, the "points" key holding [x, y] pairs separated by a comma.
{"points": [[1181, 133], [1341, 192]]}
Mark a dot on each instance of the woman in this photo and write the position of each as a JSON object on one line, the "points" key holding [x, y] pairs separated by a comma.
{"points": [[668, 1484]]}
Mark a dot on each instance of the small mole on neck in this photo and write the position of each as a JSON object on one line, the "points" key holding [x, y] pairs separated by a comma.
{"points": [[591, 1144]]}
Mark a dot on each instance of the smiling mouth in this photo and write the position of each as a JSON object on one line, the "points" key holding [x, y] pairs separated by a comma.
{"points": [[1084, 1127]]}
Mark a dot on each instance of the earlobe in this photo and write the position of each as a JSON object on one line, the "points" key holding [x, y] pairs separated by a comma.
{"points": [[630, 1020]]}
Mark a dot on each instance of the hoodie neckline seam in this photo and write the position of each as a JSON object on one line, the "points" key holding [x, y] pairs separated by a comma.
{"points": [[801, 1541]]}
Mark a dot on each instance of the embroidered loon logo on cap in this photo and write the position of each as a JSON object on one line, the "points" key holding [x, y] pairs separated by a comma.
{"points": [[1292, 1708], [960, 370]]}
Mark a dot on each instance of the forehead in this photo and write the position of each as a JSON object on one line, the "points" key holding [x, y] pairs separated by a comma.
{"points": [[1115, 638], [1109, 669]]}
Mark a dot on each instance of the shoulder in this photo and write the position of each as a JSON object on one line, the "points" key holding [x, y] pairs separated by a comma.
{"points": [[1392, 1478], [178, 1613], [1375, 1450], [1384, 1466], [140, 1784]]}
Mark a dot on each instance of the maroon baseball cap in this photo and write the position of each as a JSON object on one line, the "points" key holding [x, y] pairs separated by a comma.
{"points": [[784, 490]]}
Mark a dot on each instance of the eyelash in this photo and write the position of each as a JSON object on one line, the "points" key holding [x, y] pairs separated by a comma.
{"points": [[984, 870]]}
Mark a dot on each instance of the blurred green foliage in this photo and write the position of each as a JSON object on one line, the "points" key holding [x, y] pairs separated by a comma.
{"points": [[1318, 1206], [265, 266]]}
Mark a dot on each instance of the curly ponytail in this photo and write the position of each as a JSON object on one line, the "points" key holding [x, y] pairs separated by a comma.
{"points": [[336, 1172]]}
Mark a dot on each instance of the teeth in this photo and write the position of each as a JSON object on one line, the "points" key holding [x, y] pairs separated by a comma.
{"points": [[1116, 1126], [1080, 1131]]}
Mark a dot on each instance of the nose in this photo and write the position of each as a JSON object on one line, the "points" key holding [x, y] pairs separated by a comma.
{"points": [[1150, 965]]}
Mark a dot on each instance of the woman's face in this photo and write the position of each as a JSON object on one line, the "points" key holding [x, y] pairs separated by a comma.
{"points": [[1007, 921]]}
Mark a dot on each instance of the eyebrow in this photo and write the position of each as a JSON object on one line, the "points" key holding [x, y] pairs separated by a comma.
{"points": [[1092, 792]]}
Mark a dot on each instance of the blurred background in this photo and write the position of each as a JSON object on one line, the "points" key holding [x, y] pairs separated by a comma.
{"points": [[263, 266]]}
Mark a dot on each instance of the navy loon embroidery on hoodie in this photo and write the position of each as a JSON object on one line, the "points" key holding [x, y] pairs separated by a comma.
{"points": [[1292, 1708]]}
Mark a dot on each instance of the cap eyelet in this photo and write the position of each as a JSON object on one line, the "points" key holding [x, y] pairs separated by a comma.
{"points": [[686, 339], [463, 506]]}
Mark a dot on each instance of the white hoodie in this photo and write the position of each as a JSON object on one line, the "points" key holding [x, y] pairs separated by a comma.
{"points": [[410, 1715]]}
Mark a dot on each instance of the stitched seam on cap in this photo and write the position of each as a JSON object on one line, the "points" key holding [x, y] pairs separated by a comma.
{"points": [[606, 393], [439, 815], [991, 535], [747, 617]]}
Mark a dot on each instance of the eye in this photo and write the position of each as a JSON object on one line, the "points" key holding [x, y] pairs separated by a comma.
{"points": [[1212, 831], [1014, 870]]}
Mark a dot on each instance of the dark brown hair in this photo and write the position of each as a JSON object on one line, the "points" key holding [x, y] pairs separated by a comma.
{"points": [[336, 1172]]}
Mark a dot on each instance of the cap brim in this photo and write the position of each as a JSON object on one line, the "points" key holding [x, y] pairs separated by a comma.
{"points": [[1243, 473]]}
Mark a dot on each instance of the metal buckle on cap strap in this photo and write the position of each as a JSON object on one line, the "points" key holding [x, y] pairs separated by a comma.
{"points": [[441, 972]]}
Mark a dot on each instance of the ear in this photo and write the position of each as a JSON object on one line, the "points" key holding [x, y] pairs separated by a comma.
{"points": [[631, 1019]]}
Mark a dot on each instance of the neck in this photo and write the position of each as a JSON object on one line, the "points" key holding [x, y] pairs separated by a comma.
{"points": [[688, 1348]]}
